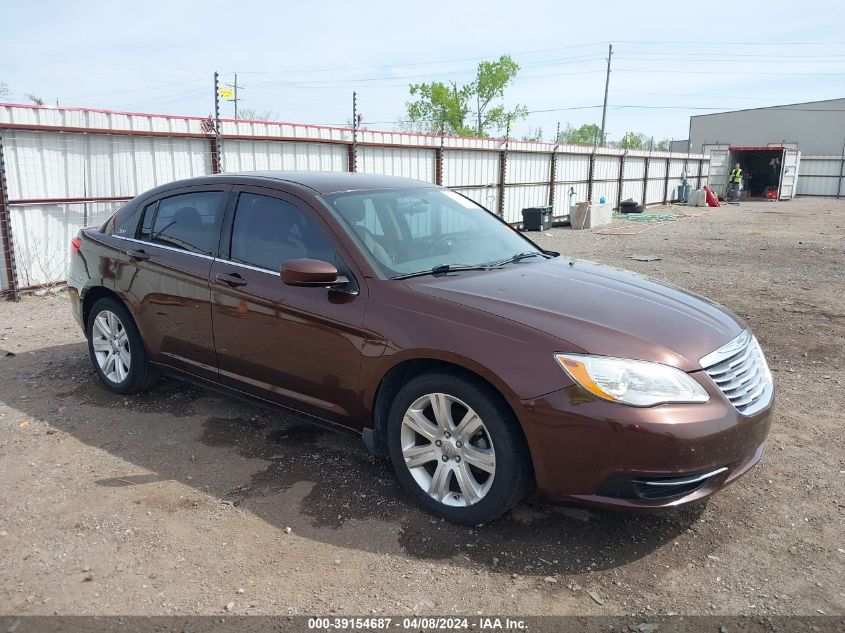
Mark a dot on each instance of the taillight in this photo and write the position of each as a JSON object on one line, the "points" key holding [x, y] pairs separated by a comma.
{"points": [[75, 243]]}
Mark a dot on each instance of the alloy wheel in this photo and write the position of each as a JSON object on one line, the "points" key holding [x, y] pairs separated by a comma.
{"points": [[448, 450], [111, 346]]}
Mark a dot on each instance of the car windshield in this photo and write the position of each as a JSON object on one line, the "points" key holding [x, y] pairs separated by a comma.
{"points": [[410, 231]]}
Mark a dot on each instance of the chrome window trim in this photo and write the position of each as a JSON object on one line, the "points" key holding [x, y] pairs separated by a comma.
{"points": [[278, 273], [250, 267], [167, 248]]}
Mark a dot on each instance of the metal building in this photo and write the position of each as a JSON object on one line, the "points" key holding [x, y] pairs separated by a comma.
{"points": [[768, 143]]}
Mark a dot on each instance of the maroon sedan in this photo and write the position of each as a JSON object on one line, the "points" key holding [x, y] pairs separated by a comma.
{"points": [[483, 365]]}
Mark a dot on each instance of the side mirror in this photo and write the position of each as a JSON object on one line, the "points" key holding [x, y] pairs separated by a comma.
{"points": [[311, 272]]}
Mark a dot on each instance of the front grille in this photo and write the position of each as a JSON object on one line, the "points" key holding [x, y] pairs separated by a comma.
{"points": [[739, 369]]}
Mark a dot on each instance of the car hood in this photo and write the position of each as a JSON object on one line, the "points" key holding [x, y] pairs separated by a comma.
{"points": [[596, 309]]}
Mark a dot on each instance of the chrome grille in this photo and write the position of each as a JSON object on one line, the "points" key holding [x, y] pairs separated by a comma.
{"points": [[739, 369]]}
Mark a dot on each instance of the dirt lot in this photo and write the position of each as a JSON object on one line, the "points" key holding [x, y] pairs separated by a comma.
{"points": [[180, 500]]}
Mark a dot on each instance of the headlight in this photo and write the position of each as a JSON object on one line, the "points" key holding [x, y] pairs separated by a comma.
{"points": [[635, 382]]}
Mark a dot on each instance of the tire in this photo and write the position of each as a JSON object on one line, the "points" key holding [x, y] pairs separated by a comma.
{"points": [[463, 488], [110, 361]]}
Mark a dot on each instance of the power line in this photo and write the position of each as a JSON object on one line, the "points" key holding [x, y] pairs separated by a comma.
{"points": [[727, 72], [154, 86], [733, 59], [425, 63]]}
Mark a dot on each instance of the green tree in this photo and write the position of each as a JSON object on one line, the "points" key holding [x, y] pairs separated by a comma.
{"points": [[472, 109], [634, 140], [34, 98], [638, 140], [587, 134]]}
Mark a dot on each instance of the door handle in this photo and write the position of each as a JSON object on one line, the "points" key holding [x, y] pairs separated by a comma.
{"points": [[232, 280], [138, 254]]}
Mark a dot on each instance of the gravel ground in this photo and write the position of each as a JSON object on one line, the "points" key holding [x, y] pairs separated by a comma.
{"points": [[183, 501]]}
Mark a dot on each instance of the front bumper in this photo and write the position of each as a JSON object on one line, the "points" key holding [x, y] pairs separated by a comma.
{"points": [[592, 452]]}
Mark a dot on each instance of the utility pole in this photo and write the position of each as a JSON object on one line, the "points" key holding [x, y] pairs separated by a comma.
{"points": [[235, 87], [606, 87]]}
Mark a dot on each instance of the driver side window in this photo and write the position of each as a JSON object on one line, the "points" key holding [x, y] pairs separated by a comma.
{"points": [[268, 232]]}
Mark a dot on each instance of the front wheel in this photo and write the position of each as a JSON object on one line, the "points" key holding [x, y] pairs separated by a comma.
{"points": [[457, 448], [116, 349]]}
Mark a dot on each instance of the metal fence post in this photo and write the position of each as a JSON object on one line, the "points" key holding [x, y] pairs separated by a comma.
{"points": [[645, 177], [215, 164], [666, 181], [217, 158], [503, 170], [591, 176], [6, 231], [841, 173], [438, 153], [552, 179], [353, 149], [621, 184], [698, 177]]}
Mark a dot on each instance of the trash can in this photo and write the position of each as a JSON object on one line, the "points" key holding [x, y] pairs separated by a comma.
{"points": [[684, 192], [537, 218]]}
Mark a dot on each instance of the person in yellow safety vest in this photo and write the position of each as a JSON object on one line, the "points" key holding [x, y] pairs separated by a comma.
{"points": [[734, 182]]}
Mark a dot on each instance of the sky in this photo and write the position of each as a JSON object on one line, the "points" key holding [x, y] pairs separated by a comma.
{"points": [[301, 61]]}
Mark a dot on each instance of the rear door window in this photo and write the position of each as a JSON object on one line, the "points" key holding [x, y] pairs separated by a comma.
{"points": [[189, 221]]}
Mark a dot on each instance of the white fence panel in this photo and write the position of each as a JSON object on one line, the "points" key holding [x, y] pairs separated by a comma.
{"points": [[408, 163], [655, 191], [519, 197], [607, 191], [563, 199], [633, 190], [634, 167], [50, 165], [43, 233], [528, 168], [260, 155], [4, 284], [607, 167], [656, 168], [462, 168], [676, 171], [572, 168]]}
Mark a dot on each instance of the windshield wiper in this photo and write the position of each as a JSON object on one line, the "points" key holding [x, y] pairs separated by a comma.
{"points": [[442, 269], [519, 257]]}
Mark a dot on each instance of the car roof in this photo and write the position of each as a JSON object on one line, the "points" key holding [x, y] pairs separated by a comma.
{"points": [[324, 182]]}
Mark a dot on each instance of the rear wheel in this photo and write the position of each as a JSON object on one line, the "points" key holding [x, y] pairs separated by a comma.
{"points": [[117, 351], [457, 449]]}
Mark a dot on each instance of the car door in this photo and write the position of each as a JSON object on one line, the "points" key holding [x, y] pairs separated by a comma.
{"points": [[295, 346], [164, 274]]}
